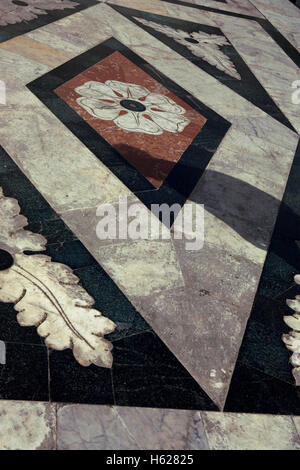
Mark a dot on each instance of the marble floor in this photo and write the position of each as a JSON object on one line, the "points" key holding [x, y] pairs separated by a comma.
{"points": [[114, 343]]}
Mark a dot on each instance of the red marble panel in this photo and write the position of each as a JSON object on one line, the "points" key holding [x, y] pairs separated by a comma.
{"points": [[152, 155]]}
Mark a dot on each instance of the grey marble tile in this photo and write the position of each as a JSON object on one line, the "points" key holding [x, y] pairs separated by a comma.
{"points": [[27, 426], [35, 51], [239, 196], [236, 236], [122, 428], [232, 198], [138, 267], [235, 431], [150, 274]]}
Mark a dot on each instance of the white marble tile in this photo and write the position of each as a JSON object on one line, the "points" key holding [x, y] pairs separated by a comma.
{"points": [[58, 42], [2, 353], [237, 431]]}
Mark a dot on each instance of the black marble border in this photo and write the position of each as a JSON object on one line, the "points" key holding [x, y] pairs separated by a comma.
{"points": [[12, 30], [248, 87], [282, 42], [184, 175]]}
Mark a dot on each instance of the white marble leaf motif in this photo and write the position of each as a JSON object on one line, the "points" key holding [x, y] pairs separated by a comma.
{"points": [[292, 339], [13, 237], [203, 45], [47, 294]]}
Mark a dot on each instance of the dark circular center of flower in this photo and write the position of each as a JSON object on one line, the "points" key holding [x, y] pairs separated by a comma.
{"points": [[193, 41], [6, 260], [132, 105], [20, 3]]}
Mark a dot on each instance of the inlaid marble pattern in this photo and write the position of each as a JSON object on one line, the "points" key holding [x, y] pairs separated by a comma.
{"points": [[19, 17], [47, 294], [182, 101], [292, 338], [210, 49], [137, 104]]}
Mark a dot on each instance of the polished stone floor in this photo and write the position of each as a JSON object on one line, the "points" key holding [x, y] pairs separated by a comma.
{"points": [[187, 102]]}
